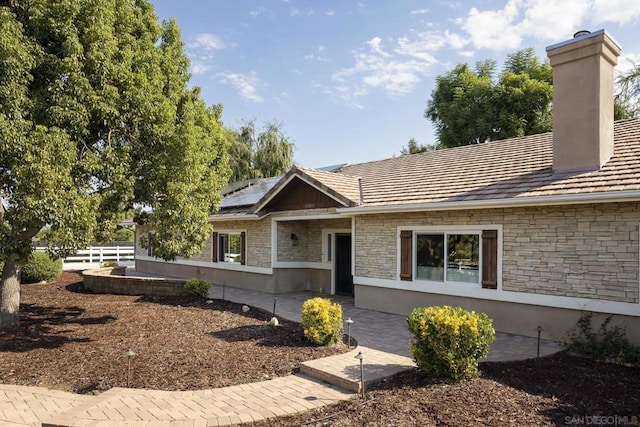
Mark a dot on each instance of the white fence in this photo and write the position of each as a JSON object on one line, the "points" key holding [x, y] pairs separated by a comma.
{"points": [[96, 255]]}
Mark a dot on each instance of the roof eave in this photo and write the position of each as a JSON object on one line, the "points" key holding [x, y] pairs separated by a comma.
{"points": [[244, 217], [565, 199]]}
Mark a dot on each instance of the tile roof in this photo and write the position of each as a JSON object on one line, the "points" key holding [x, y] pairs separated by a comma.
{"points": [[340, 183], [511, 168], [341, 187]]}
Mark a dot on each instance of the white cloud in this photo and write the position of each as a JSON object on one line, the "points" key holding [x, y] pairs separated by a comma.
{"points": [[494, 29], [245, 84], [207, 41], [317, 56], [618, 11], [200, 68], [257, 12], [420, 12], [330, 12], [376, 46], [548, 20], [294, 11]]}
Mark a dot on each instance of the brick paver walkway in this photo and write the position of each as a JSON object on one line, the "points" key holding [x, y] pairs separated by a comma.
{"points": [[382, 339]]}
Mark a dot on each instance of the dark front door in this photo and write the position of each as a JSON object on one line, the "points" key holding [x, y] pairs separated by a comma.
{"points": [[344, 279]]}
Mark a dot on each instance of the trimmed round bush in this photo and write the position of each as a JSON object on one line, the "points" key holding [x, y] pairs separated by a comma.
{"points": [[39, 267], [321, 321], [197, 288], [448, 341]]}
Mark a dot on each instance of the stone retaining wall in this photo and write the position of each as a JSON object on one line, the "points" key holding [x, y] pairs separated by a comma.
{"points": [[112, 280]]}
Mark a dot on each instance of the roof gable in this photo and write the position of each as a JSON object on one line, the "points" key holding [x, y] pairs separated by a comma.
{"points": [[330, 190]]}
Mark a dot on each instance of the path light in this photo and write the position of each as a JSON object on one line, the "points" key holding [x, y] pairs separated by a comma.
{"points": [[539, 329], [349, 322], [130, 353], [275, 299], [360, 357], [245, 308]]}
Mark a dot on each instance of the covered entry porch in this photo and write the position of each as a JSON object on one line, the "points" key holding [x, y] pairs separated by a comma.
{"points": [[313, 253]]}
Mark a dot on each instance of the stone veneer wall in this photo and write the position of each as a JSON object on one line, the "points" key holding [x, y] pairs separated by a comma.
{"points": [[258, 241], [309, 233], [113, 281], [587, 251]]}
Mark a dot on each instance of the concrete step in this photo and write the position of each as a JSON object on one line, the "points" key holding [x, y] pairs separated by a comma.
{"points": [[343, 370]]}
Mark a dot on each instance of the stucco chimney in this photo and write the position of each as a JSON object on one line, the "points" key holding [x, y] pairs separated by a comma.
{"points": [[583, 100]]}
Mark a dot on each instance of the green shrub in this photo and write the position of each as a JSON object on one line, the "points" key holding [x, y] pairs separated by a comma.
{"points": [[448, 341], [40, 267], [197, 288], [107, 264], [610, 343], [322, 321]]}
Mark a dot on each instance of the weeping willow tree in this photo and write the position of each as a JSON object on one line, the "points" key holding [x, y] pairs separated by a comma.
{"points": [[256, 153]]}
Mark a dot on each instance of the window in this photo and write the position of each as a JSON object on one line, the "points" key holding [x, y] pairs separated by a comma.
{"points": [[450, 256], [229, 247]]}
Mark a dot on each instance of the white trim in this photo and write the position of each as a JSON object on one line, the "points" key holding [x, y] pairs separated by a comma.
{"points": [[301, 264], [212, 265], [231, 231], [214, 218], [305, 217], [475, 228], [274, 242], [332, 263], [573, 303], [565, 199]]}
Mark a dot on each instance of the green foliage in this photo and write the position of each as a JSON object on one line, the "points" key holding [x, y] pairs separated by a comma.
{"points": [[322, 321], [448, 341], [414, 148], [259, 153], [609, 343], [97, 116], [473, 106], [197, 288], [40, 267], [108, 264], [627, 99]]}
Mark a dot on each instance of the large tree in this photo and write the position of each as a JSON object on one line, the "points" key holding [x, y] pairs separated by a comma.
{"points": [[470, 106], [96, 118], [257, 153]]}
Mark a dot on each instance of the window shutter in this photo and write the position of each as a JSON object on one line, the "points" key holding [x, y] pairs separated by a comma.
{"points": [[151, 237], [243, 247], [490, 259], [406, 255], [214, 244]]}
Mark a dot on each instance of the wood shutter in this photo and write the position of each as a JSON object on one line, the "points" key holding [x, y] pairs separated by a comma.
{"points": [[214, 245], [406, 255], [243, 247], [490, 259]]}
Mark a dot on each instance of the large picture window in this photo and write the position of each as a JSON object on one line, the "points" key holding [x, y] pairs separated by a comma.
{"points": [[229, 247], [457, 256], [448, 257]]}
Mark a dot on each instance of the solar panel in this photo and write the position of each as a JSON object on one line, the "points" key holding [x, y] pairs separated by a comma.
{"points": [[249, 195]]}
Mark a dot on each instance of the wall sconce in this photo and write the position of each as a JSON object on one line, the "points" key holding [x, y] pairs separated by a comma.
{"points": [[294, 239]]}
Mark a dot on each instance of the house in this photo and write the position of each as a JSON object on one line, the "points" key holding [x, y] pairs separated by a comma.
{"points": [[531, 230]]}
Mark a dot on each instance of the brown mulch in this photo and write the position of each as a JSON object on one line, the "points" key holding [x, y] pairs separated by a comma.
{"points": [[557, 390], [75, 341]]}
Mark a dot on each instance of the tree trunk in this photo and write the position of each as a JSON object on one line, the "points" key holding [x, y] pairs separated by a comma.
{"points": [[9, 296]]}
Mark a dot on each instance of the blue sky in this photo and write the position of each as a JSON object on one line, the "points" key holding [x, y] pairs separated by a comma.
{"points": [[350, 79]]}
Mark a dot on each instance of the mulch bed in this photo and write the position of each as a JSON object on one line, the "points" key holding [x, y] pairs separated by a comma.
{"points": [[557, 390], [75, 341]]}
